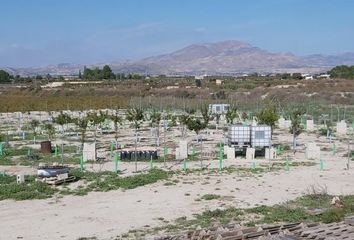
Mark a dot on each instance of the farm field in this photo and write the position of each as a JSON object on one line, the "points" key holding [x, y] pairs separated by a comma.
{"points": [[149, 198]]}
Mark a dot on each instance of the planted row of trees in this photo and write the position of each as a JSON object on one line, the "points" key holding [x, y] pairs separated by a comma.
{"points": [[105, 73]]}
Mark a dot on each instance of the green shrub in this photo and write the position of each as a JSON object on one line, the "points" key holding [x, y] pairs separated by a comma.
{"points": [[210, 197], [30, 189], [333, 215]]}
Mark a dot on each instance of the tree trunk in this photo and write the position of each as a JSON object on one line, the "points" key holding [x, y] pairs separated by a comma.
{"points": [[201, 150], [116, 135], [135, 154], [294, 142]]}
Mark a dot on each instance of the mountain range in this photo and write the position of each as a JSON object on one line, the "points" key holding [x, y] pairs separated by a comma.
{"points": [[220, 58]]}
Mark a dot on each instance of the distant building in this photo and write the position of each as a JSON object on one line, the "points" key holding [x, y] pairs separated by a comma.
{"points": [[307, 76], [218, 108], [219, 81], [327, 76], [200, 77], [68, 78]]}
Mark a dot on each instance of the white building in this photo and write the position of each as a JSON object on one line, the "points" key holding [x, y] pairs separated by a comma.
{"points": [[219, 108]]}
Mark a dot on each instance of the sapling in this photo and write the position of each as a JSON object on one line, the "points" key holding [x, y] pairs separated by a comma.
{"points": [[33, 125], [231, 114], [268, 116], [135, 116], [155, 118], [50, 131], [296, 128], [82, 124], [183, 119], [62, 119], [96, 119], [206, 118], [194, 124], [116, 119]]}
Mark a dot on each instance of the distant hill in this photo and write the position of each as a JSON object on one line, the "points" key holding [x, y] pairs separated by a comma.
{"points": [[227, 57]]}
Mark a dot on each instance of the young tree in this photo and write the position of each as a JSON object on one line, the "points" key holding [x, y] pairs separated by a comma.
{"points": [[33, 125], [155, 119], [231, 114], [62, 119], [268, 116], [194, 124], [135, 116], [206, 115], [50, 130], [296, 128], [217, 117], [82, 124], [116, 119], [96, 119], [184, 119]]}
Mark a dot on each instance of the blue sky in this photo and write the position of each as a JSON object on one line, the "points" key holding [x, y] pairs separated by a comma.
{"points": [[42, 32]]}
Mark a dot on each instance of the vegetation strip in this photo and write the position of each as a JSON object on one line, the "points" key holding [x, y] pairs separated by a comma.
{"points": [[308, 208], [99, 182]]}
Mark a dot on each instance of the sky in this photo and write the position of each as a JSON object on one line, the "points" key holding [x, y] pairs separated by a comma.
{"points": [[44, 32]]}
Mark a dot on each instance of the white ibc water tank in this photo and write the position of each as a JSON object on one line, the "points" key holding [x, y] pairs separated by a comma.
{"points": [[239, 135], [261, 136]]}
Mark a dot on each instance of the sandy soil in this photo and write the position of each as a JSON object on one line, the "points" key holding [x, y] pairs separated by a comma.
{"points": [[106, 215], [109, 214]]}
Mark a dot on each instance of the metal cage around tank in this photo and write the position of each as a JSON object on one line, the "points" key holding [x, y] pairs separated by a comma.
{"points": [[249, 136]]}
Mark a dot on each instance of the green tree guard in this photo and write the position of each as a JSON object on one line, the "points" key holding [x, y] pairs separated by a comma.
{"points": [[321, 165], [334, 149], [116, 163], [164, 155], [151, 163], [29, 152], [184, 165], [1, 149], [193, 152], [81, 163], [221, 156], [277, 150], [253, 165], [111, 149], [287, 163], [56, 152]]}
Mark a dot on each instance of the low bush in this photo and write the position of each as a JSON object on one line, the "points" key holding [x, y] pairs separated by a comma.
{"points": [[333, 215], [210, 197]]}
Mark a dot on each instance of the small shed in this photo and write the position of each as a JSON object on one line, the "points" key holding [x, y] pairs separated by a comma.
{"points": [[219, 108]]}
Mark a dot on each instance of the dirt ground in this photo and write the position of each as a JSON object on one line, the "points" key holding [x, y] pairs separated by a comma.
{"points": [[106, 215]]}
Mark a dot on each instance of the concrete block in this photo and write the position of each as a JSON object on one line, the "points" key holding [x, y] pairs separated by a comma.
{"points": [[313, 151], [182, 150], [284, 124], [250, 153], [225, 148], [270, 153], [310, 125], [341, 128], [230, 152], [89, 152], [20, 178]]}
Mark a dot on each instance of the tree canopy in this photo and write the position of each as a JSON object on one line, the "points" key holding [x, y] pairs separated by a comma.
{"points": [[5, 77], [268, 115], [98, 74], [342, 71]]}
